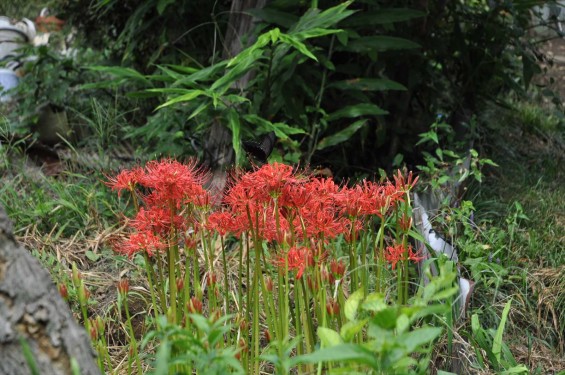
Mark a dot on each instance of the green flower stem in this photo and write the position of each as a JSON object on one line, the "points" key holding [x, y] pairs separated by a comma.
{"points": [[133, 342], [380, 256], [161, 282], [172, 285], [150, 277]]}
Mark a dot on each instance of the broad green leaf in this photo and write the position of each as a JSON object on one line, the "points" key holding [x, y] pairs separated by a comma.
{"points": [[413, 340], [374, 302], [386, 318], [497, 342], [340, 136], [446, 293], [352, 303], [329, 337], [190, 95], [368, 84], [379, 43], [352, 328], [382, 16], [342, 352], [361, 109]]}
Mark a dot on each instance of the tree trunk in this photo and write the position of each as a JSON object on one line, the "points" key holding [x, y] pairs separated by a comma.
{"points": [[219, 149], [33, 315]]}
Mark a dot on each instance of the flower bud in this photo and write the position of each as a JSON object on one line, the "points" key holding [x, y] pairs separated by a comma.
{"points": [[63, 291], [123, 286]]}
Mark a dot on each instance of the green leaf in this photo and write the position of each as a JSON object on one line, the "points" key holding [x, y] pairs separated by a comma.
{"points": [[274, 16], [233, 120], [92, 255], [386, 318], [297, 44], [352, 303], [315, 33], [379, 43], [120, 72], [362, 109], [282, 131], [497, 342], [313, 18], [413, 340], [382, 16], [340, 136], [190, 95], [342, 352], [329, 337], [162, 5], [368, 84], [352, 328]]}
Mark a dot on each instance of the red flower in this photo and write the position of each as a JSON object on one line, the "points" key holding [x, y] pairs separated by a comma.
{"points": [[399, 252], [222, 222], [295, 259], [141, 241], [173, 181], [125, 180], [157, 220]]}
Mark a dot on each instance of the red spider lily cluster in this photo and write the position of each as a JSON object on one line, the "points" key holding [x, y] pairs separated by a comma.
{"points": [[171, 193], [296, 213]]}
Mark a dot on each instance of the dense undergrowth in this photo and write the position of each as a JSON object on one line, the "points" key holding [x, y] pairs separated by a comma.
{"points": [[513, 250]]}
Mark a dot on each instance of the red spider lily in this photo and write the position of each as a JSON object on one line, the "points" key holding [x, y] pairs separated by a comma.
{"points": [[272, 178], [141, 241], [398, 253], [295, 259], [157, 220], [125, 180], [222, 222], [173, 181], [321, 222]]}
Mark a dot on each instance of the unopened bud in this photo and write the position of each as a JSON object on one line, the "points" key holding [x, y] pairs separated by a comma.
{"points": [[63, 291], [123, 286]]}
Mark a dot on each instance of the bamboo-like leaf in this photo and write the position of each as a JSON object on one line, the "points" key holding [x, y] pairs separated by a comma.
{"points": [[313, 18], [282, 131], [357, 110], [120, 72], [497, 342], [315, 33], [297, 44], [340, 136], [235, 126], [190, 95]]}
